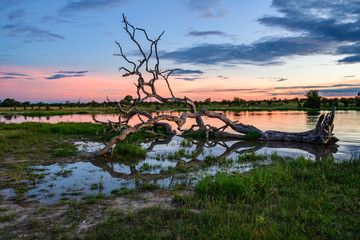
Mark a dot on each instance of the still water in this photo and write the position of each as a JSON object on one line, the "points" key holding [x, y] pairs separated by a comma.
{"points": [[164, 168], [347, 123]]}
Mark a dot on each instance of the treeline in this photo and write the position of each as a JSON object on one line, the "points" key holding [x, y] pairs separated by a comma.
{"points": [[312, 100]]}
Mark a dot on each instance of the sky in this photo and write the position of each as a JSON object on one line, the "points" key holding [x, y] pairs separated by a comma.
{"points": [[63, 50]]}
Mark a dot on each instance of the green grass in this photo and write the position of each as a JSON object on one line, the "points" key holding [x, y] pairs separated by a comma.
{"points": [[291, 199], [129, 151], [7, 218], [252, 135], [40, 139]]}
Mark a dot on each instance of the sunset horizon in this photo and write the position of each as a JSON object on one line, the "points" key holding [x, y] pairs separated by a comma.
{"points": [[63, 51]]}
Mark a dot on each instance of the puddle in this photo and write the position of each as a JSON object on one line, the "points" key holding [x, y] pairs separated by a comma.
{"points": [[89, 146], [169, 162]]}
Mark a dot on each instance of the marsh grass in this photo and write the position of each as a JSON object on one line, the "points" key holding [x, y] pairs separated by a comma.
{"points": [[291, 199], [129, 151], [38, 139]]}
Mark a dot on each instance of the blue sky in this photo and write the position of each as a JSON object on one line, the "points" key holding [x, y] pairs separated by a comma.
{"points": [[63, 50]]}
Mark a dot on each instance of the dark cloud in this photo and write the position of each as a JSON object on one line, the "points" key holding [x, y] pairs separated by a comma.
{"points": [[67, 74], [339, 92], [222, 77], [7, 77], [206, 33], [350, 59], [278, 79], [256, 53], [73, 72], [181, 71], [58, 76], [318, 86], [92, 4], [287, 93], [14, 74], [16, 14], [189, 78], [349, 76], [332, 22], [54, 20], [235, 90], [207, 8], [31, 33], [322, 26]]}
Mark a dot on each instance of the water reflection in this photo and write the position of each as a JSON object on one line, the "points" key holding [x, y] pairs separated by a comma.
{"points": [[199, 158], [346, 123], [224, 149]]}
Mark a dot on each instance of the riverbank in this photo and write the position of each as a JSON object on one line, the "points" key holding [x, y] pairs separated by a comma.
{"points": [[59, 111]]}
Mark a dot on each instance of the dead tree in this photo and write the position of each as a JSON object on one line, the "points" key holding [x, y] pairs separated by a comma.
{"points": [[146, 89]]}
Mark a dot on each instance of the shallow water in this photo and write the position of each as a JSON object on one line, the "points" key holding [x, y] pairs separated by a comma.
{"points": [[199, 158]]}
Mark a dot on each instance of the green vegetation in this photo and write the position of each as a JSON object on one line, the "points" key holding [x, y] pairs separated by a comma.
{"points": [[129, 151], [252, 135], [44, 140], [291, 199], [312, 100]]}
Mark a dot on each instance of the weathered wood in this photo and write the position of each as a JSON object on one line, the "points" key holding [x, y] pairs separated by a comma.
{"points": [[146, 89]]}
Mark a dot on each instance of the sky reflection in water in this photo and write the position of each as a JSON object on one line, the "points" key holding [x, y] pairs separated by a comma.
{"points": [[74, 180]]}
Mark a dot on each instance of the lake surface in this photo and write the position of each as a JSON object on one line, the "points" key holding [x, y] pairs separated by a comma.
{"points": [[347, 123], [197, 158]]}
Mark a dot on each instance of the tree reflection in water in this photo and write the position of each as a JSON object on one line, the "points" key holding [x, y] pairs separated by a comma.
{"points": [[318, 152]]}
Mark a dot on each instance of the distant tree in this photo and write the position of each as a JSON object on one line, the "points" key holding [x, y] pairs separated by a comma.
{"points": [[26, 104], [127, 100], [313, 99], [345, 101], [357, 101], [9, 102], [207, 101], [238, 101]]}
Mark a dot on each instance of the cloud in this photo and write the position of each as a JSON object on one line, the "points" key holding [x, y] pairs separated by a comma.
{"points": [[319, 86], [181, 71], [222, 77], [67, 74], [189, 78], [7, 77], [331, 22], [277, 79], [13, 74], [206, 33], [235, 90], [318, 27], [339, 92], [16, 14], [260, 53], [287, 93], [92, 4], [73, 72], [31, 33], [206, 8], [53, 20], [350, 59], [191, 75]]}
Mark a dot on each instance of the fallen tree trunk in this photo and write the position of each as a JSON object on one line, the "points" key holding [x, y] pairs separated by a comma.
{"points": [[321, 134], [146, 89]]}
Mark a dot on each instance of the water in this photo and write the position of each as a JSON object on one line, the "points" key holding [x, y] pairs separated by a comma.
{"points": [[347, 123], [198, 158]]}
